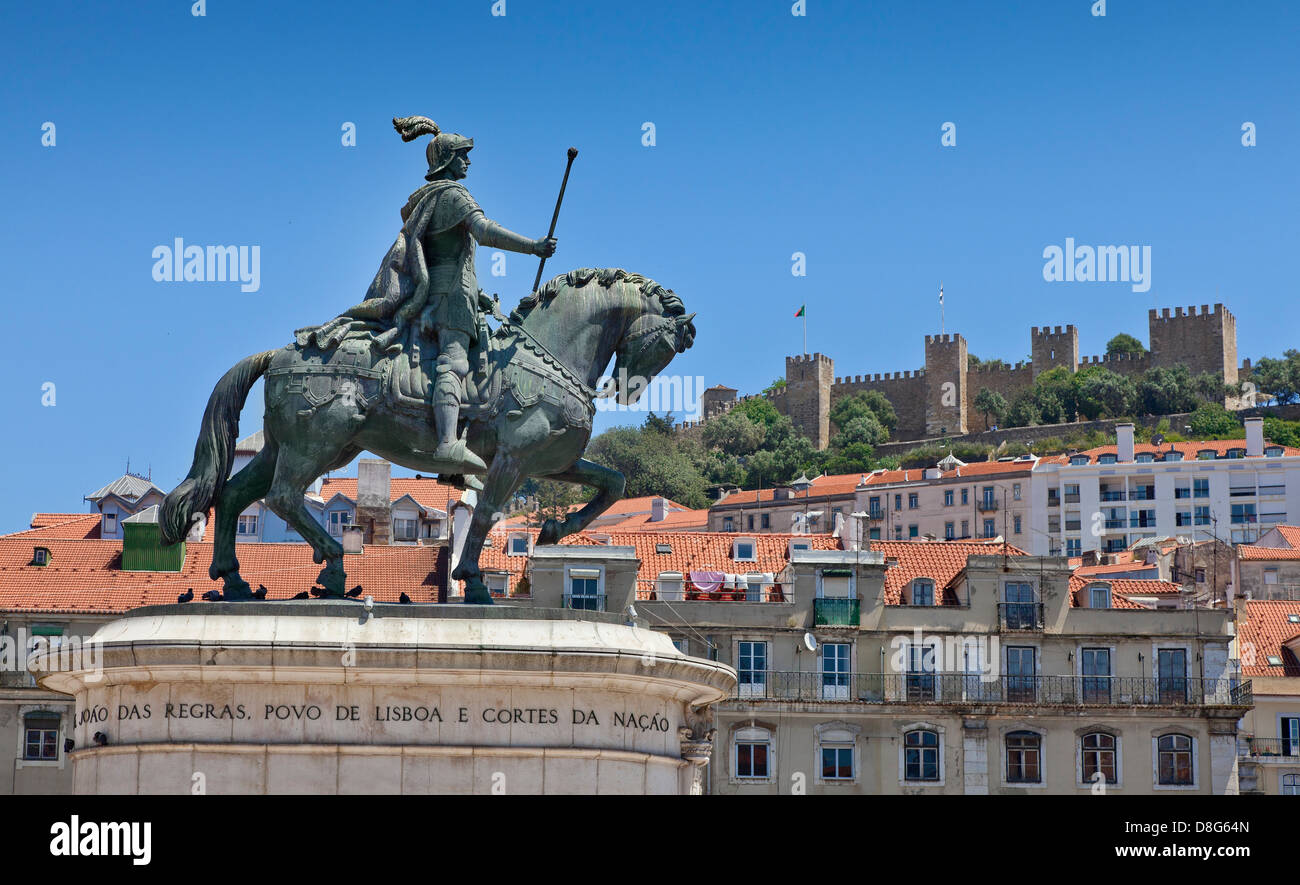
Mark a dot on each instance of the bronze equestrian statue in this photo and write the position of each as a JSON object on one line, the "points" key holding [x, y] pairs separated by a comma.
{"points": [[414, 375]]}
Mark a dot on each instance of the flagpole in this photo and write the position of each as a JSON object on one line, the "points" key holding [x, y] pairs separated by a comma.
{"points": [[941, 307], [805, 330]]}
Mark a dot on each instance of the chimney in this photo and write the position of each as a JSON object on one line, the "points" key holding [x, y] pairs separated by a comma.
{"points": [[374, 502], [353, 537], [1124, 436], [1254, 436], [658, 509]]}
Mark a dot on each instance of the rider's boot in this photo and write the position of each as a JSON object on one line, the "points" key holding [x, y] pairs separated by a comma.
{"points": [[446, 410]]}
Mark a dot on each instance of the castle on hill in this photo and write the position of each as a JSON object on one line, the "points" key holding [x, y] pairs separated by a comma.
{"points": [[939, 399]]}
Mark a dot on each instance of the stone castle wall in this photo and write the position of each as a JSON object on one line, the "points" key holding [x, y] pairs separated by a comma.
{"points": [[940, 398]]}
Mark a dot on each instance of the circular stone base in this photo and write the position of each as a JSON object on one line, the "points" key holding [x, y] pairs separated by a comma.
{"points": [[326, 698]]}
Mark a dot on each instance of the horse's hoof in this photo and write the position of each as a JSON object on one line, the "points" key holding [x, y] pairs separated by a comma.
{"points": [[476, 593], [550, 533]]}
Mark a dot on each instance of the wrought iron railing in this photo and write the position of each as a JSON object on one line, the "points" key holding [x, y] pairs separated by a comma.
{"points": [[836, 612], [585, 602], [955, 688], [1020, 615], [1271, 747]]}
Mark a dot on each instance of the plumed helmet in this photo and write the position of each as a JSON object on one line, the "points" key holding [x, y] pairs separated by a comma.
{"points": [[441, 148]]}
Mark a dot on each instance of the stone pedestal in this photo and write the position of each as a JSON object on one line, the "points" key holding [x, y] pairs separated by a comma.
{"points": [[307, 697]]}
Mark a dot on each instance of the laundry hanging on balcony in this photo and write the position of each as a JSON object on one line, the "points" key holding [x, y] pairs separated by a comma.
{"points": [[707, 582]]}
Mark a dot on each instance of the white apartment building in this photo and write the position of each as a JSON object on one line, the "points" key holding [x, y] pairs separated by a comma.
{"points": [[1110, 497]]}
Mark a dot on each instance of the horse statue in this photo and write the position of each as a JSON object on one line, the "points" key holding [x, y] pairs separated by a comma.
{"points": [[528, 413]]}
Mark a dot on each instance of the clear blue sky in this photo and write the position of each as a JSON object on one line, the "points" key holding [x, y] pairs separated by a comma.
{"points": [[775, 134]]}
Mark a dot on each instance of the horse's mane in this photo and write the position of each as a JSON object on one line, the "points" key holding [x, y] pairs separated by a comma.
{"points": [[604, 277]]}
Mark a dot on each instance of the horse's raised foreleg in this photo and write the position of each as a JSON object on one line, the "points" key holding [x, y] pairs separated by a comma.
{"points": [[242, 489], [609, 485], [503, 478], [294, 471]]}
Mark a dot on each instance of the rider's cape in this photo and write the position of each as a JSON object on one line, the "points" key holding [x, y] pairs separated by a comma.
{"points": [[400, 289]]}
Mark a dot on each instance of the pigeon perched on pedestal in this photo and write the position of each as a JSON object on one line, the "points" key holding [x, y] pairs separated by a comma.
{"points": [[404, 599], [260, 592], [319, 591], [354, 592], [303, 595], [212, 596], [186, 596]]}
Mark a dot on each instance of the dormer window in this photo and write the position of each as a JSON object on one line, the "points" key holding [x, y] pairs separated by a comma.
{"points": [[922, 592], [518, 545], [110, 523], [1206, 455], [744, 550], [1106, 459], [1236, 453], [1144, 458], [1274, 661], [1174, 455], [1273, 452], [663, 549], [1293, 619], [41, 556], [1099, 596], [1079, 460], [799, 545]]}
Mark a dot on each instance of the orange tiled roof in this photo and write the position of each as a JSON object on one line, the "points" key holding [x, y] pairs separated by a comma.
{"points": [[966, 471], [1254, 552], [833, 485], [63, 525], [674, 520], [1263, 632], [428, 492], [1120, 589], [1290, 534], [638, 505], [940, 561], [85, 576], [1120, 567]]}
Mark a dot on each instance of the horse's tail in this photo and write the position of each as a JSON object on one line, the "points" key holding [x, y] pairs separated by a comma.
{"points": [[213, 451]]}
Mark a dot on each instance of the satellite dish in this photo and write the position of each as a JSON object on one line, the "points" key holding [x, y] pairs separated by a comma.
{"points": [[1157, 440], [810, 641]]}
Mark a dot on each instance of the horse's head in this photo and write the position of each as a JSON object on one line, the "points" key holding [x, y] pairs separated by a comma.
{"points": [[651, 341]]}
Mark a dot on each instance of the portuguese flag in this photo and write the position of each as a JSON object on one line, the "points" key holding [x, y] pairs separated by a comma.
{"points": [[799, 312]]}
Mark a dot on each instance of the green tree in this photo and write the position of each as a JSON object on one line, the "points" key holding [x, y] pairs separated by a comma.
{"points": [[1124, 343], [733, 433], [1054, 395], [760, 410], [655, 424], [1101, 393], [778, 384], [1024, 410], [991, 404], [554, 499], [1278, 378], [1213, 421], [864, 402], [1284, 433]]}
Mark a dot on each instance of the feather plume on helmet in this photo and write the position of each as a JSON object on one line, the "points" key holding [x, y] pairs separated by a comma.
{"points": [[441, 148]]}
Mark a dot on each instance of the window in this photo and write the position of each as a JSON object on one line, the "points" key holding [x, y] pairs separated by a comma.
{"points": [[584, 590], [1201, 488], [518, 545], [407, 529], [1099, 597], [1200, 576], [743, 551], [990, 528], [1079, 460], [1273, 452], [1023, 757], [949, 532], [498, 584], [663, 549], [1171, 675], [670, 586], [1183, 517], [836, 747], [1015, 520], [339, 519], [1015, 491], [1071, 493], [1291, 785], [1182, 491], [1173, 455], [1243, 514], [1021, 676], [913, 501], [110, 523], [898, 502], [728, 524], [965, 496], [913, 531], [1094, 668], [873, 506], [1073, 546], [41, 737], [947, 498], [765, 520], [1099, 758], [749, 523], [41, 556], [1106, 459], [1290, 735], [1205, 455], [1270, 576], [920, 672], [1202, 515], [1174, 763], [923, 592], [921, 755], [965, 528], [874, 534], [751, 668], [753, 753], [1144, 457], [898, 533], [835, 671]]}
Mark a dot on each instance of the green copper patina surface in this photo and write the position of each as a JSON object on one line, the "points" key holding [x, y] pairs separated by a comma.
{"points": [[415, 375]]}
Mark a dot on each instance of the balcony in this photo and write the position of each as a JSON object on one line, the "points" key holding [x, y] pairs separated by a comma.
{"points": [[1053, 499], [1020, 615], [1111, 496], [836, 612], [875, 513], [1143, 493], [958, 688], [587, 602], [1269, 748], [986, 505], [1071, 497], [1115, 523]]}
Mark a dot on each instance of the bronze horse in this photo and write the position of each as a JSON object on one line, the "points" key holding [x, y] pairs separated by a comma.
{"points": [[532, 416]]}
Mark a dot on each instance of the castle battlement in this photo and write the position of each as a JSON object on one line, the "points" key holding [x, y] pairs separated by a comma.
{"points": [[1020, 366], [1206, 312], [1050, 332], [1114, 358], [808, 359]]}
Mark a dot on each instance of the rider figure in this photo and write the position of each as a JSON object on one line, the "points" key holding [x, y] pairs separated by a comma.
{"points": [[428, 276]]}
